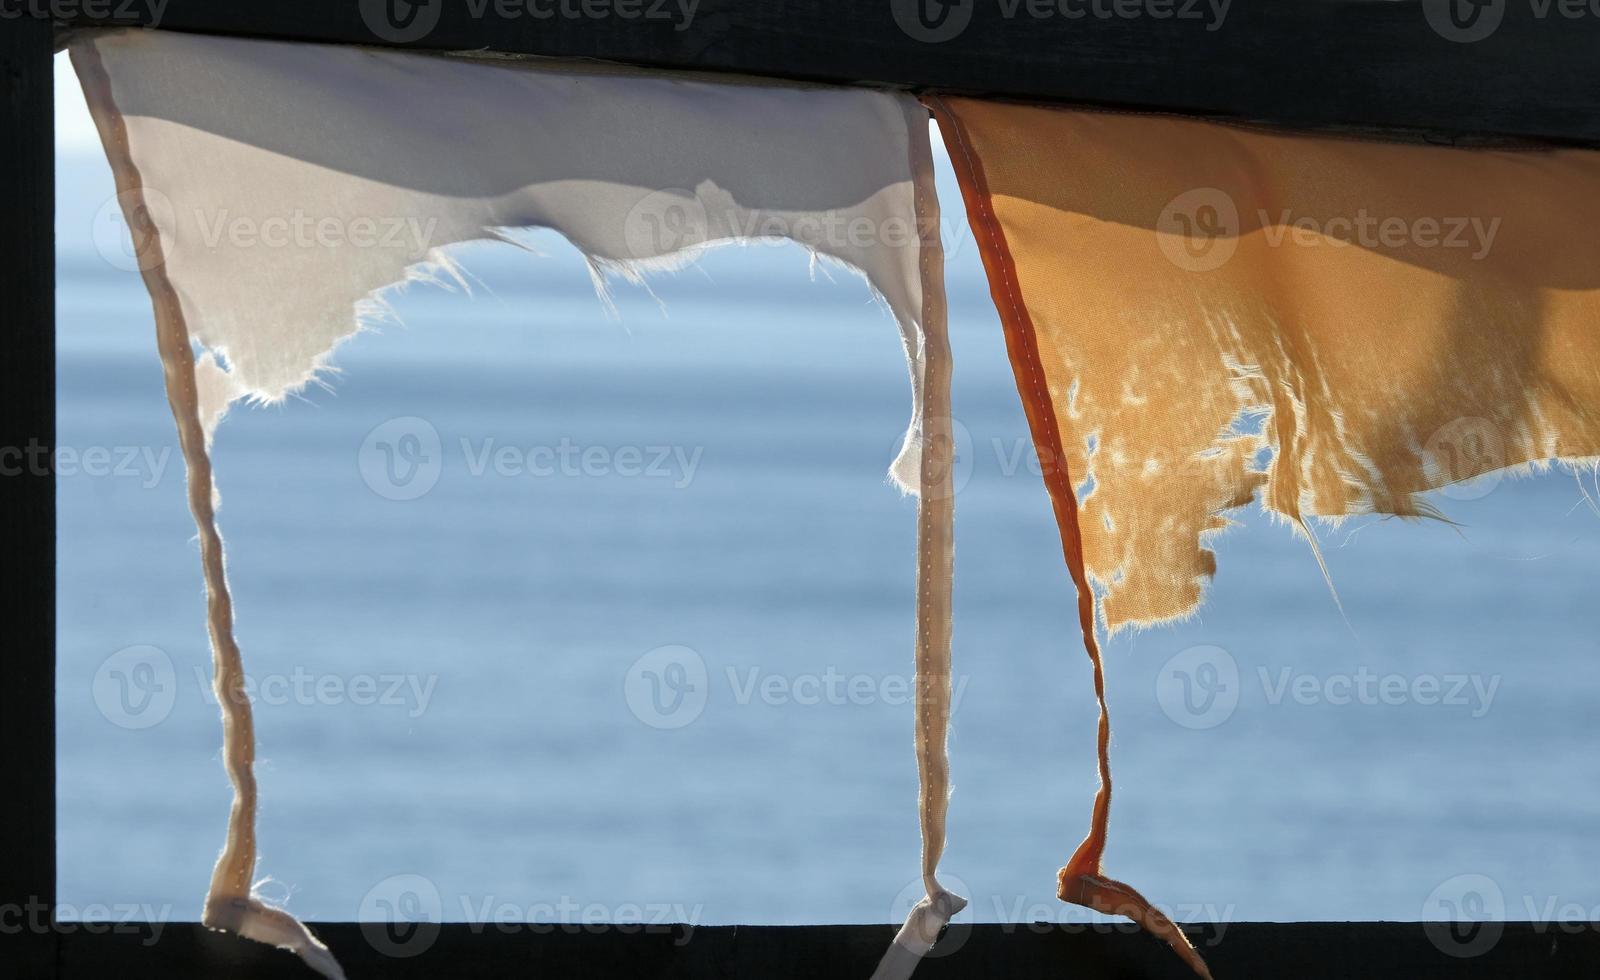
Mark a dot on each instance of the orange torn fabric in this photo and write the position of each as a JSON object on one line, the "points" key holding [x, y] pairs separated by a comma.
{"points": [[1202, 315]]}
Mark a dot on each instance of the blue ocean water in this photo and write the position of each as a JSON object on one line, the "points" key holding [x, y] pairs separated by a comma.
{"points": [[636, 637]]}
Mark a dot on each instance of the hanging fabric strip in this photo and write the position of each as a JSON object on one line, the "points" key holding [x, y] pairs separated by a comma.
{"points": [[1200, 313], [276, 189], [1082, 881], [935, 576], [230, 903]]}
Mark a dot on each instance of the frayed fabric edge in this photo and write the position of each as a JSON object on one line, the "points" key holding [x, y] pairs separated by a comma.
{"points": [[1082, 880], [194, 392], [220, 388]]}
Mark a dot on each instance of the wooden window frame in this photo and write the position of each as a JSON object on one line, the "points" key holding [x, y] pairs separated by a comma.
{"points": [[1365, 66]]}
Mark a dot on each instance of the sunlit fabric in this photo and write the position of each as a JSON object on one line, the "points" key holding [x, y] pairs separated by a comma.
{"points": [[1331, 326], [273, 190], [1200, 316], [290, 183]]}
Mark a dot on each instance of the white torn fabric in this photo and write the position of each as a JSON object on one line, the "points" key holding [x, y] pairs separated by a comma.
{"points": [[274, 190], [291, 183]]}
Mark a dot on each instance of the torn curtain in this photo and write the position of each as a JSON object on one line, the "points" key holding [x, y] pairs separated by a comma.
{"points": [[1201, 315], [1223, 314], [324, 151]]}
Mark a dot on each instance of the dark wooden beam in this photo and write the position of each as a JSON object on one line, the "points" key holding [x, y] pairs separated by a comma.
{"points": [[27, 500], [1304, 951], [1349, 64], [1400, 67]]}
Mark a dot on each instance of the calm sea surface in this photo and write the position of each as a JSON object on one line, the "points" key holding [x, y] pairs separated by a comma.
{"points": [[469, 686]]}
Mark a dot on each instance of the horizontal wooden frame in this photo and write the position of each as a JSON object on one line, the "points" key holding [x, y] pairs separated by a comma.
{"points": [[1531, 78], [1242, 951], [1446, 70]]}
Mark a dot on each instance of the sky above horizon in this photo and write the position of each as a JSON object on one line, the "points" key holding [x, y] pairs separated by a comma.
{"points": [[74, 129]]}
